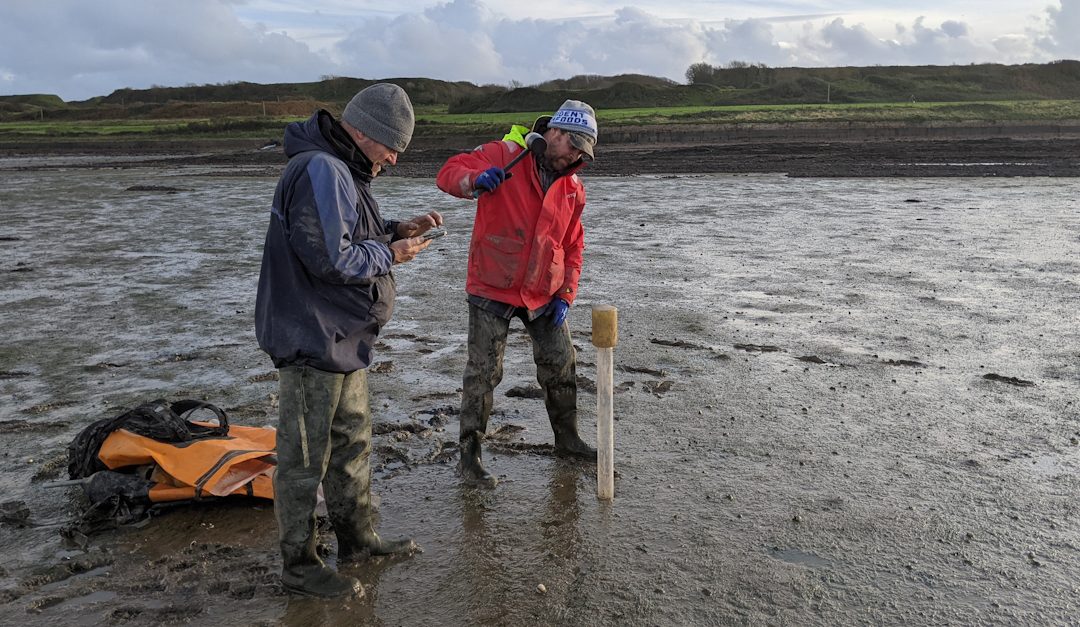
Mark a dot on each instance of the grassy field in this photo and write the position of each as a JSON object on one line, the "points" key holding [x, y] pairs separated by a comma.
{"points": [[434, 121]]}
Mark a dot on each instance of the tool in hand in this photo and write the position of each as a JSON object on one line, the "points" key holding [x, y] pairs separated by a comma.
{"points": [[535, 144]]}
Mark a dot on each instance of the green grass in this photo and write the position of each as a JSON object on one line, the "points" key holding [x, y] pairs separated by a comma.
{"points": [[862, 112], [434, 121]]}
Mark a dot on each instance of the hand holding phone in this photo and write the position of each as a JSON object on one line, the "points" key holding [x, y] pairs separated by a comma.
{"points": [[432, 234]]}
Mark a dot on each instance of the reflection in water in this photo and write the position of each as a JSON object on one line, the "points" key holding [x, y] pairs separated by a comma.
{"points": [[479, 567], [561, 533], [499, 560]]}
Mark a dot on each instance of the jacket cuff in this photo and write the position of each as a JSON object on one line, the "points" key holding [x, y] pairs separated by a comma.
{"points": [[391, 226]]}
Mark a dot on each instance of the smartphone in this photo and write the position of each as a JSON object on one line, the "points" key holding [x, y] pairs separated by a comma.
{"points": [[433, 233]]}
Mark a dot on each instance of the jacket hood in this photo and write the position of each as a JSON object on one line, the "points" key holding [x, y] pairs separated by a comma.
{"points": [[323, 133]]}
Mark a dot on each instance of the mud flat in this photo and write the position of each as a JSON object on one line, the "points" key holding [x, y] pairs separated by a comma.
{"points": [[802, 150], [838, 401]]}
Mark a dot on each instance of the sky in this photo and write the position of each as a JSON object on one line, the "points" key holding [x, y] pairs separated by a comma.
{"points": [[78, 49]]}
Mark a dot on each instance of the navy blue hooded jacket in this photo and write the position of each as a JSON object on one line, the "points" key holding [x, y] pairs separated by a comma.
{"points": [[325, 287]]}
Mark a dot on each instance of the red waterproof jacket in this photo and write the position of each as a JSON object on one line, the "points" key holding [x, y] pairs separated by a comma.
{"points": [[526, 245]]}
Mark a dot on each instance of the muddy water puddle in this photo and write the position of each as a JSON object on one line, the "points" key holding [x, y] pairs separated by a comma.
{"points": [[806, 430]]}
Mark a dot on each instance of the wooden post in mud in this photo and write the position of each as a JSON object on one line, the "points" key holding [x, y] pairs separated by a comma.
{"points": [[605, 335]]}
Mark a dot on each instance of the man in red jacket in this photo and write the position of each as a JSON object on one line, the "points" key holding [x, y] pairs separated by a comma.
{"points": [[524, 262]]}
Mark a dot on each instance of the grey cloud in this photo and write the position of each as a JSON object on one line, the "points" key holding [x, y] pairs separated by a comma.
{"points": [[79, 48], [448, 41], [954, 29], [839, 44], [745, 40], [1062, 36], [82, 49]]}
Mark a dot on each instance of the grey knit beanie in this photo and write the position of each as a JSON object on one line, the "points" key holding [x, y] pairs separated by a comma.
{"points": [[384, 113]]}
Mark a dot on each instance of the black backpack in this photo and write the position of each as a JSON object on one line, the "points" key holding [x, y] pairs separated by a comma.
{"points": [[158, 419]]}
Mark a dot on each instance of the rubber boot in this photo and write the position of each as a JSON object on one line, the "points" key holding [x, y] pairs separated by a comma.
{"points": [[348, 477], [301, 441], [319, 580], [556, 372], [567, 441], [370, 544], [470, 467]]}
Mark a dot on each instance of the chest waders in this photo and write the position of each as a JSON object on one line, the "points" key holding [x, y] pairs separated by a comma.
{"points": [[324, 436]]}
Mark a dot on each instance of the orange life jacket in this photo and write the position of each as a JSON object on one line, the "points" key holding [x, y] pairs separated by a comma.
{"points": [[241, 463]]}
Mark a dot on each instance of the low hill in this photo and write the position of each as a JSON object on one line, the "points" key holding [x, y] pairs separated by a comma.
{"points": [[758, 84], [594, 81], [737, 84], [422, 91], [29, 105], [937, 83]]}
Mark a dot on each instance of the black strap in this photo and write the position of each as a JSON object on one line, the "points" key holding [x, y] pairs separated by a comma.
{"points": [[184, 409]]}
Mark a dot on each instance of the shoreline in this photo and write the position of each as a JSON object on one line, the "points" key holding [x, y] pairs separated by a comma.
{"points": [[1034, 149]]}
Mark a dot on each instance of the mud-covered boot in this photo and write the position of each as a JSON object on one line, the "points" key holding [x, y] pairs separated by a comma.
{"points": [[301, 445], [369, 543], [567, 441], [319, 580], [470, 467]]}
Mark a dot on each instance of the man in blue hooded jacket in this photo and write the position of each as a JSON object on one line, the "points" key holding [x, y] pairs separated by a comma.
{"points": [[325, 291]]}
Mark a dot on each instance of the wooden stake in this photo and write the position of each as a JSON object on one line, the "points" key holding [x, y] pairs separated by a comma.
{"points": [[605, 335]]}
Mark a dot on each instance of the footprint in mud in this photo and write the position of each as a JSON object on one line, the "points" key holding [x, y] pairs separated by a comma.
{"points": [[438, 396], [384, 428], [585, 384], [382, 367], [104, 365], [678, 344], [525, 391], [440, 416], [758, 348], [505, 433], [161, 189], [65, 571], [522, 447], [177, 358], [657, 388], [15, 513], [910, 363], [13, 374], [1010, 380], [814, 359], [660, 374]]}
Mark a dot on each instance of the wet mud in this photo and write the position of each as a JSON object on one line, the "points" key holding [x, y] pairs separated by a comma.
{"points": [[833, 406], [844, 151]]}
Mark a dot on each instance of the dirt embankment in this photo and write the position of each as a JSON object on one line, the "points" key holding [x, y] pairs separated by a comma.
{"points": [[804, 149]]}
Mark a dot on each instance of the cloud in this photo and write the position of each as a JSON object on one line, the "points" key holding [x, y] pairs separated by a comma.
{"points": [[75, 48], [80, 49], [836, 43], [464, 40], [745, 40], [1062, 36], [449, 41]]}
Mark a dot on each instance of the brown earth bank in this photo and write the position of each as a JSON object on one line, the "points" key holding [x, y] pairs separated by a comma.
{"points": [[799, 150]]}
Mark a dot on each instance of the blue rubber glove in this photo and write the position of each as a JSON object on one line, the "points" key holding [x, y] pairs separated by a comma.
{"points": [[489, 179], [558, 308]]}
